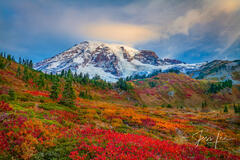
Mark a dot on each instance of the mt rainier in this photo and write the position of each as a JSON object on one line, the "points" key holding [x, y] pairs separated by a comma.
{"points": [[109, 61]]}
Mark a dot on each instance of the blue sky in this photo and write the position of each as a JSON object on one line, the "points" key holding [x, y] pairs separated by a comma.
{"points": [[188, 30]]}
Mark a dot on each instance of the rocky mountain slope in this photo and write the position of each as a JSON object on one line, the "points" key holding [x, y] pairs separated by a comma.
{"points": [[109, 61], [219, 70]]}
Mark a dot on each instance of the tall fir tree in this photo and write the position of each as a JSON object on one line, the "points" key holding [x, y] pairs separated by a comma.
{"points": [[18, 72], [2, 63], [225, 109], [40, 81], [68, 95], [122, 84], [9, 57], [62, 73], [20, 60], [30, 65], [25, 74], [70, 75], [54, 90], [51, 76]]}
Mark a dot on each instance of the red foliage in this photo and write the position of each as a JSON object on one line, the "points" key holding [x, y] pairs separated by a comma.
{"points": [[32, 83], [60, 97], [64, 115], [3, 142], [107, 144], [38, 93], [188, 92], [6, 73], [114, 117], [4, 90], [4, 107], [148, 122], [140, 82]]}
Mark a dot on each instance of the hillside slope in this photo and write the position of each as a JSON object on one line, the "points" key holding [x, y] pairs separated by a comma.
{"points": [[113, 123], [181, 90], [219, 70]]}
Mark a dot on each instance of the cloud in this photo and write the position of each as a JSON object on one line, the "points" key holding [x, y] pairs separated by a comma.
{"points": [[184, 23], [135, 23], [228, 6], [120, 32], [209, 11], [115, 32], [132, 22], [145, 22]]}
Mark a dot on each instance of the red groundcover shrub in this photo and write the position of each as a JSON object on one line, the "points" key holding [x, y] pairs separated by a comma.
{"points": [[4, 107], [38, 93], [107, 144]]}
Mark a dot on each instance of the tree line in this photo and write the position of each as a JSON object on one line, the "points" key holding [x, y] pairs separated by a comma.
{"points": [[41, 80], [218, 86], [143, 76]]}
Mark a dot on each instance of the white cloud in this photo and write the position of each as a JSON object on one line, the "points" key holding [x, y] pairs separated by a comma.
{"points": [[136, 23], [209, 11], [120, 32]]}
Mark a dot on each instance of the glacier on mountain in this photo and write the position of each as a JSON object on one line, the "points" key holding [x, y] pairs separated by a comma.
{"points": [[109, 61]]}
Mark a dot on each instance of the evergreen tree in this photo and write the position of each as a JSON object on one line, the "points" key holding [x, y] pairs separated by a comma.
{"points": [[1, 81], [75, 76], [2, 64], [225, 109], [204, 104], [85, 79], [51, 76], [69, 75], [40, 81], [11, 94], [13, 59], [96, 77], [25, 74], [18, 72], [229, 83], [54, 90], [47, 88], [62, 73], [236, 108], [80, 75], [20, 60], [9, 57], [152, 84], [85, 95], [46, 76], [68, 95], [216, 87], [122, 84], [30, 65]]}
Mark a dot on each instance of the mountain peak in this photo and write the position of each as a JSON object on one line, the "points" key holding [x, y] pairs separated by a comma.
{"points": [[109, 61], [113, 46]]}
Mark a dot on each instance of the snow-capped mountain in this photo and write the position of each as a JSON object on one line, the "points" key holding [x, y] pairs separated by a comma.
{"points": [[109, 61]]}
